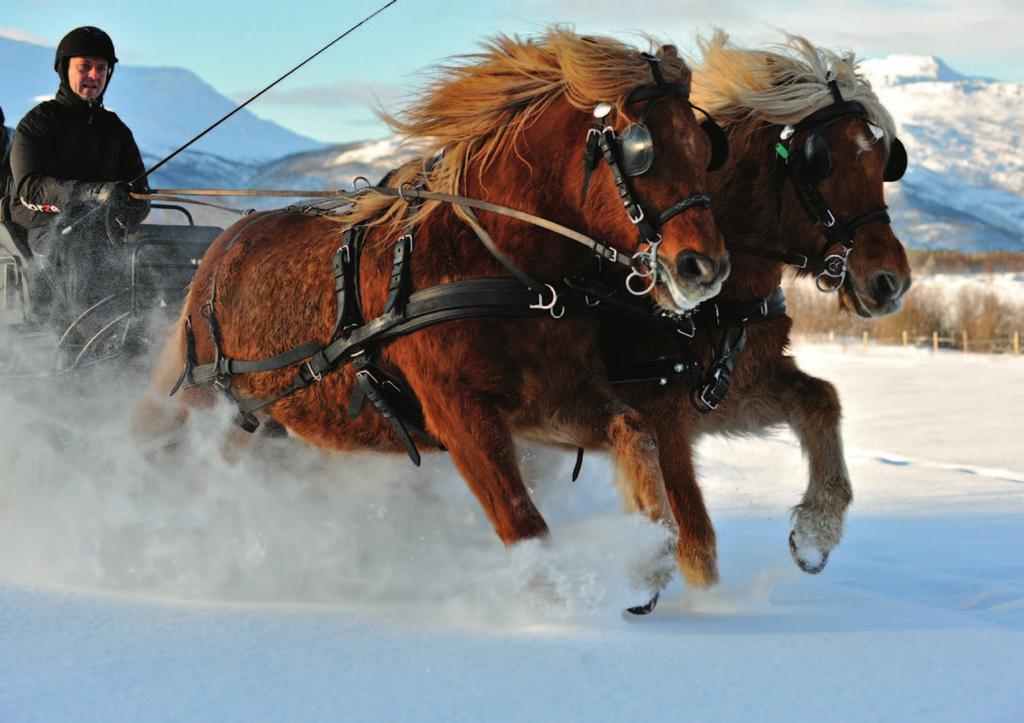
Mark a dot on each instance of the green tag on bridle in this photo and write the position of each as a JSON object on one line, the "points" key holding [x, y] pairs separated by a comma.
{"points": [[782, 151]]}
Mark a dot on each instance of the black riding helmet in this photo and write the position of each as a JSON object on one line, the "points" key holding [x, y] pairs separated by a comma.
{"points": [[81, 42]]}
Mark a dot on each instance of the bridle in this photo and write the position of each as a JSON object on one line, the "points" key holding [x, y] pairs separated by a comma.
{"points": [[809, 165], [630, 154]]}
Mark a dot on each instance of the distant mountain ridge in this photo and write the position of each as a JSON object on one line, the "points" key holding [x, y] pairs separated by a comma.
{"points": [[965, 185]]}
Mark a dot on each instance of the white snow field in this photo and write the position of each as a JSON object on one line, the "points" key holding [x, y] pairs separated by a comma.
{"points": [[291, 585]]}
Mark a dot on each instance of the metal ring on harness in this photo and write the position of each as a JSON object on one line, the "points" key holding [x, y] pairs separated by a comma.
{"points": [[833, 276], [644, 266], [357, 179], [549, 307], [405, 185]]}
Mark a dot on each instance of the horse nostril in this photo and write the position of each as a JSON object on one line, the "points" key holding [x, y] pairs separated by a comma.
{"points": [[885, 287], [696, 267]]}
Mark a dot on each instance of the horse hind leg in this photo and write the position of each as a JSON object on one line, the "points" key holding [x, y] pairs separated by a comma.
{"points": [[696, 549], [157, 415], [480, 443], [607, 422]]}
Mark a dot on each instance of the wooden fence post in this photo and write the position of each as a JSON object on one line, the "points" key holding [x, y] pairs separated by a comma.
{"points": [[964, 333], [1016, 343], [935, 341], [906, 341], [831, 336], [865, 340]]}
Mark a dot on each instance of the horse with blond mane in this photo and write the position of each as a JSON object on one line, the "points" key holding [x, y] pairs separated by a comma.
{"points": [[811, 146], [513, 125]]}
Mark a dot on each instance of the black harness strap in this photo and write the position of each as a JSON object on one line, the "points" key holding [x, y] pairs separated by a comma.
{"points": [[188, 373], [710, 388], [719, 379], [345, 269]]}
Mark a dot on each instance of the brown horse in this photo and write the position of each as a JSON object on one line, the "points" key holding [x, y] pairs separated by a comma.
{"points": [[773, 209], [512, 124]]}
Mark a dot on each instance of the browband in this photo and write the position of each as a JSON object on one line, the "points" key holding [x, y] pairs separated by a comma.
{"points": [[657, 90], [829, 113]]}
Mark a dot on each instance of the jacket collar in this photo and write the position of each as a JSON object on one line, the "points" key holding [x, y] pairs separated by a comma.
{"points": [[67, 97]]}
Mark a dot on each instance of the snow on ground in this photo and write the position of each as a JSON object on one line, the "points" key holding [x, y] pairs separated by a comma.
{"points": [[139, 584]]}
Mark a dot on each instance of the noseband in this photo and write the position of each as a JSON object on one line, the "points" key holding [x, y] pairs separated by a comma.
{"points": [[631, 153]]}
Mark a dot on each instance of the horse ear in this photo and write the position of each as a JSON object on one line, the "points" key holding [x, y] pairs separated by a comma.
{"points": [[668, 51]]}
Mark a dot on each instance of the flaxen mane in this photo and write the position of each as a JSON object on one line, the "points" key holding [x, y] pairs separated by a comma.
{"points": [[779, 86], [476, 107]]}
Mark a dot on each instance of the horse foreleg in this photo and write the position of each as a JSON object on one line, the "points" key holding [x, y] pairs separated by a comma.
{"points": [[813, 411]]}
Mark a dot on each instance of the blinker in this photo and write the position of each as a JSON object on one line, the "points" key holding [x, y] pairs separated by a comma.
{"points": [[896, 165], [637, 150], [719, 143], [817, 158]]}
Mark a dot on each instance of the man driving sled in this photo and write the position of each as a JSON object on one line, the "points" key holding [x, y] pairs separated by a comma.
{"points": [[71, 162]]}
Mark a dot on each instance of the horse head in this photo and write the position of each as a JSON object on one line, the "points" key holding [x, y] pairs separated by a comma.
{"points": [[658, 155], [814, 147], [836, 208]]}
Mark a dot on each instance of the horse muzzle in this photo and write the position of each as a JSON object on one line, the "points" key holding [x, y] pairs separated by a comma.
{"points": [[882, 295], [691, 278]]}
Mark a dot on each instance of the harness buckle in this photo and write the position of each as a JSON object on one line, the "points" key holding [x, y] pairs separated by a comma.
{"points": [[710, 395], [317, 376], [803, 263], [638, 218]]}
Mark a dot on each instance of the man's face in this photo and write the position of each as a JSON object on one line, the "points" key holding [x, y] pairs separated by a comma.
{"points": [[87, 76]]}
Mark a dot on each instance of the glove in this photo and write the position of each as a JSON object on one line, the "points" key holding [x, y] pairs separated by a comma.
{"points": [[115, 193]]}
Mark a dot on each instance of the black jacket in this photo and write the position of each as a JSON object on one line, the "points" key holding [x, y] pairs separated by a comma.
{"points": [[5, 153], [61, 142]]}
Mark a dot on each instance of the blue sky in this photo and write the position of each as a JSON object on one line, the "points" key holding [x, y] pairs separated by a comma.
{"points": [[240, 46]]}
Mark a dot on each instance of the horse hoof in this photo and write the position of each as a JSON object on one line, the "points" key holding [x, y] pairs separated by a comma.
{"points": [[645, 609], [811, 568]]}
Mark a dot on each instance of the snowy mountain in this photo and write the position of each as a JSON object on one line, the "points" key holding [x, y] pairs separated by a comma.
{"points": [[965, 186], [164, 107]]}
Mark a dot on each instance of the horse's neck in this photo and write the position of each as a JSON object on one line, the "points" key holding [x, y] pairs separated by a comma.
{"points": [[745, 197], [521, 177]]}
